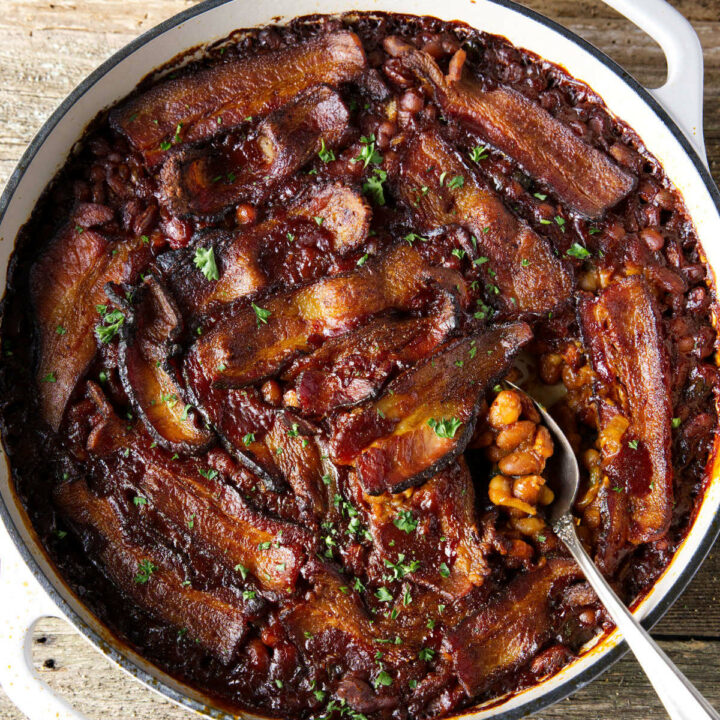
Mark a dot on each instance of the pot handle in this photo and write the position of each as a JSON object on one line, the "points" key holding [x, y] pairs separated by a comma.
{"points": [[23, 602], [682, 93]]}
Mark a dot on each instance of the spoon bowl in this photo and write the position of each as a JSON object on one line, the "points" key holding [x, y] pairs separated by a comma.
{"points": [[679, 696]]}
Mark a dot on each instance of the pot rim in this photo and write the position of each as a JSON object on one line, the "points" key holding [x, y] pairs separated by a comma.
{"points": [[604, 660]]}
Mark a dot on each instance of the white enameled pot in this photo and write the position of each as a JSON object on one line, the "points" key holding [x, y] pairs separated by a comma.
{"points": [[669, 121]]}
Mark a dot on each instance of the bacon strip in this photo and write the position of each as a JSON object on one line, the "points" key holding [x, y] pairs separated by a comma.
{"points": [[240, 257], [510, 630], [251, 344], [443, 513], [148, 378], [623, 333], [353, 368], [66, 285], [582, 177], [272, 550], [395, 442], [208, 181], [198, 105], [528, 274], [217, 624]]}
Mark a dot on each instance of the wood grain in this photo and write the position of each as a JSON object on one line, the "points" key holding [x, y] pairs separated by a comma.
{"points": [[48, 47]]}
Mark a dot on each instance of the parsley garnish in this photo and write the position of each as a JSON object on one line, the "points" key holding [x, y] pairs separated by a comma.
{"points": [[111, 322], [676, 422], [205, 262], [445, 428], [383, 678], [457, 182], [368, 153], [140, 500], [405, 521], [633, 444], [410, 238], [145, 569], [444, 570], [478, 153], [373, 186], [208, 473], [325, 153], [578, 251], [261, 314], [50, 377], [426, 654], [383, 595]]}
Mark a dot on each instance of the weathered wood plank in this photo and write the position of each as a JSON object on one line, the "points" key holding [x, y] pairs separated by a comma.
{"points": [[48, 47], [66, 663]]}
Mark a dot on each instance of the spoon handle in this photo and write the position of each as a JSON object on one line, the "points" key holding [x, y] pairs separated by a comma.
{"points": [[680, 698]]}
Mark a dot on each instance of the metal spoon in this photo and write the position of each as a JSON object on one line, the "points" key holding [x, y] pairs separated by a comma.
{"points": [[680, 698]]}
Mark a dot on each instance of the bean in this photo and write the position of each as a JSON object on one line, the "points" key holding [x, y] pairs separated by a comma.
{"points": [[520, 462], [528, 488], [515, 434], [505, 410], [412, 101], [653, 239], [245, 214], [551, 368]]}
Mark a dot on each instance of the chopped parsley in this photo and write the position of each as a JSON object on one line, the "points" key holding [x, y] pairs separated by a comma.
{"points": [[140, 500], [248, 439], [325, 153], [362, 260], [145, 569], [373, 186], [456, 182], [208, 474], [405, 521], [676, 422], [445, 428], [261, 314], [578, 251], [110, 324], [242, 570], [50, 377], [426, 654], [410, 238], [205, 262], [444, 570], [633, 444], [368, 154], [383, 678], [383, 595], [478, 153]]}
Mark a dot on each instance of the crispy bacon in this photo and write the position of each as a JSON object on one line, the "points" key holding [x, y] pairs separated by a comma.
{"points": [[152, 581], [298, 459], [529, 275], [271, 550], [582, 177], [353, 368], [435, 523], [196, 106], [240, 256], [331, 622], [208, 181], [623, 333], [255, 342], [66, 285], [511, 629], [426, 416], [148, 377]]}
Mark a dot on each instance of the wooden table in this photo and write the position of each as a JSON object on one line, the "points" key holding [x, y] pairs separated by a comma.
{"points": [[48, 47]]}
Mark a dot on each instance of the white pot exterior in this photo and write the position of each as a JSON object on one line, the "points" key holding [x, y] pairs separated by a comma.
{"points": [[115, 79]]}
